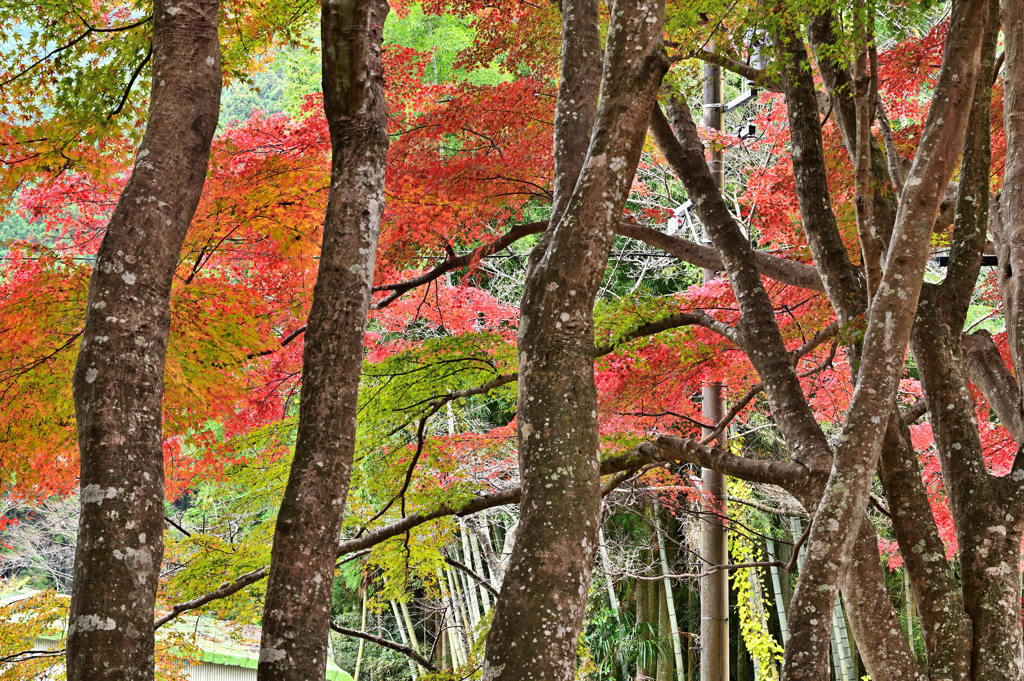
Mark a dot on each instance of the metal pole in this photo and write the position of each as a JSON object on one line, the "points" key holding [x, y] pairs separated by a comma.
{"points": [[714, 589]]}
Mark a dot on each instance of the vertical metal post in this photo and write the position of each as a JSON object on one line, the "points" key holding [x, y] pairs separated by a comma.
{"points": [[777, 586], [714, 589]]}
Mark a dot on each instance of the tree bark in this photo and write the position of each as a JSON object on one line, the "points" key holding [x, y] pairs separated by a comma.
{"points": [[297, 609], [834, 75], [843, 283], [945, 624], [1011, 258], [537, 618], [837, 520], [118, 379]]}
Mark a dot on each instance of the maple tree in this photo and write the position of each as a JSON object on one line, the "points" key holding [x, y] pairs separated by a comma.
{"points": [[473, 181]]}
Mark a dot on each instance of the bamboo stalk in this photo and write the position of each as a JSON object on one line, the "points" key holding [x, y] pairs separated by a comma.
{"points": [[450, 617], [401, 634], [362, 627], [677, 648], [415, 644], [458, 609], [478, 562], [762, 616], [606, 564], [471, 588], [844, 640]]}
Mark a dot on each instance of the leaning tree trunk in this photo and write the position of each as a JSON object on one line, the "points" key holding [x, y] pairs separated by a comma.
{"points": [[297, 610], [537, 618], [119, 376], [837, 520]]}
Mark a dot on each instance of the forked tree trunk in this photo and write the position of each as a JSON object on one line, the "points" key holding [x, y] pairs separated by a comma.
{"points": [[537, 618], [297, 610], [837, 519], [119, 376]]}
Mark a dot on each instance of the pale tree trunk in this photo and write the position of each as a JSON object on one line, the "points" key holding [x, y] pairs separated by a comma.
{"points": [[297, 609], [119, 376], [537, 618]]}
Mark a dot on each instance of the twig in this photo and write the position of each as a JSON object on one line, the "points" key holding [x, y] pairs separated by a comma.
{"points": [[764, 508], [878, 506], [707, 573], [796, 548], [131, 83], [284, 341], [819, 338]]}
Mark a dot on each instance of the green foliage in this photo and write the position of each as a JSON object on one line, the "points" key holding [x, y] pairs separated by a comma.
{"points": [[444, 37]]}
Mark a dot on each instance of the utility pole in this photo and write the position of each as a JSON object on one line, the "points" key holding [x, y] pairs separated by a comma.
{"points": [[714, 589]]}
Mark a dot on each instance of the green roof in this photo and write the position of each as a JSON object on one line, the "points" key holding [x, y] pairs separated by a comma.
{"points": [[236, 645], [12, 597], [221, 642]]}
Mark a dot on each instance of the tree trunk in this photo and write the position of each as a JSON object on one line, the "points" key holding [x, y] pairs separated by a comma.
{"points": [[837, 519], [646, 625], [665, 664], [1011, 259], [297, 609], [119, 376], [539, 614]]}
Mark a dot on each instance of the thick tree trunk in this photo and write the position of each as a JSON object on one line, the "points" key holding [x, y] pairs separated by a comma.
{"points": [[946, 627], [873, 621], [537, 618], [1012, 200], [297, 609], [119, 376]]}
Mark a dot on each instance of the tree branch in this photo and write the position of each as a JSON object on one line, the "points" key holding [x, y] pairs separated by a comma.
{"points": [[226, 589], [986, 369], [131, 83], [758, 328], [391, 645], [674, 321], [751, 73], [454, 263], [469, 571], [785, 474], [782, 270]]}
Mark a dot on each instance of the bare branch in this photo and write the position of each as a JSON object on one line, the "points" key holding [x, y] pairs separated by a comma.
{"points": [[391, 645], [469, 571], [751, 73], [454, 263], [675, 321], [785, 474], [782, 270], [226, 589]]}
